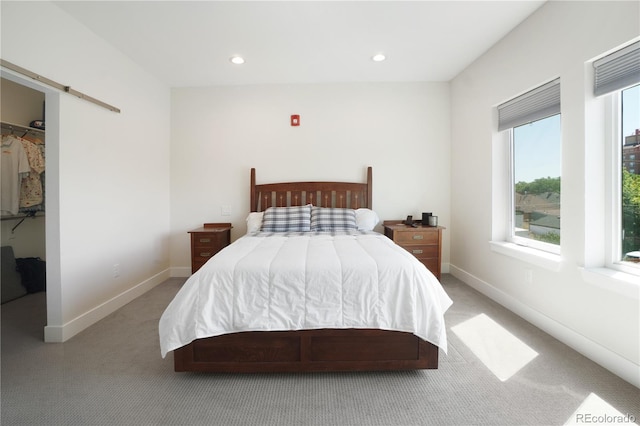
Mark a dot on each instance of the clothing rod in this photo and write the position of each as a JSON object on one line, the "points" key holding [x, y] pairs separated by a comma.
{"points": [[32, 215], [23, 216], [56, 85]]}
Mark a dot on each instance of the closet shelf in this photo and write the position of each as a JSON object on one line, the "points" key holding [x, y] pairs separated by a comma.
{"points": [[21, 128]]}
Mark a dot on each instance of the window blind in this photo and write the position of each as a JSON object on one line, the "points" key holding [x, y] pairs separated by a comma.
{"points": [[536, 104], [617, 70]]}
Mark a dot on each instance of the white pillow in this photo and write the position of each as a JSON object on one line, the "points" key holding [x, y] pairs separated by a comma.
{"points": [[366, 219], [254, 222]]}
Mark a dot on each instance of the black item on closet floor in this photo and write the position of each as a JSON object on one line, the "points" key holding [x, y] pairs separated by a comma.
{"points": [[33, 271], [11, 281]]}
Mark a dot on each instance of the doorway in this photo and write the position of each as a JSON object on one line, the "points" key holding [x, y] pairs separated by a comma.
{"points": [[27, 232]]}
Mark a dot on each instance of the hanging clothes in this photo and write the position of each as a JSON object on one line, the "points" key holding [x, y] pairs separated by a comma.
{"points": [[41, 146], [31, 194], [14, 166], [34, 139]]}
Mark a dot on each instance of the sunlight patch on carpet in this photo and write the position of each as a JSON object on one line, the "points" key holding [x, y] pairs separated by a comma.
{"points": [[595, 410], [500, 351]]}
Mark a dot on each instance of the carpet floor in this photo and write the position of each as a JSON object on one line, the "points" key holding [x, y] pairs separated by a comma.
{"points": [[499, 370]]}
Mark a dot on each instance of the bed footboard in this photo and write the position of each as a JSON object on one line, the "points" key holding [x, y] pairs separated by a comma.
{"points": [[307, 351]]}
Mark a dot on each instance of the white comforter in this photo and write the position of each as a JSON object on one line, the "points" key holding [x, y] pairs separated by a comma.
{"points": [[279, 282]]}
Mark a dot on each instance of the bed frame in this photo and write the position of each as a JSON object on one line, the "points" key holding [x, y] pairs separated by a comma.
{"points": [[308, 350]]}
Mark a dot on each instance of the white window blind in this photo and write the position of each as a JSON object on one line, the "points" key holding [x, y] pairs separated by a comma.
{"points": [[534, 105], [618, 70]]}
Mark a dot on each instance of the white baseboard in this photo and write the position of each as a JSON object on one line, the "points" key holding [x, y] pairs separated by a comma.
{"points": [[180, 271], [599, 354], [58, 334]]}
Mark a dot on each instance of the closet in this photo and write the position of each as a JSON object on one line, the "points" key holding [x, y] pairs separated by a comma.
{"points": [[22, 215]]}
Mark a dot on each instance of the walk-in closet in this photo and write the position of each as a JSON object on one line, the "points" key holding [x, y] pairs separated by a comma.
{"points": [[23, 191]]}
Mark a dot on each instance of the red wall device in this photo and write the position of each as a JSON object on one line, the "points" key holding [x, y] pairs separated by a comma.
{"points": [[295, 120]]}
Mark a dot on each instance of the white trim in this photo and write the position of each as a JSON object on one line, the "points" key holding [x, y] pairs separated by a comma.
{"points": [[53, 333], [180, 271], [613, 181], [599, 354], [543, 259], [533, 244], [627, 285], [501, 178], [65, 332]]}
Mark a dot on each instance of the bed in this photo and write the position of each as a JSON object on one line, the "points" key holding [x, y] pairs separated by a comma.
{"points": [[304, 291]]}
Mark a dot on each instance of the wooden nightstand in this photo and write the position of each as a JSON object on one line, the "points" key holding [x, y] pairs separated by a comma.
{"points": [[207, 241], [424, 242]]}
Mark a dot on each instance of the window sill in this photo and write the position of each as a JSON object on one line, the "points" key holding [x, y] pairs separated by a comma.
{"points": [[536, 257], [616, 281]]}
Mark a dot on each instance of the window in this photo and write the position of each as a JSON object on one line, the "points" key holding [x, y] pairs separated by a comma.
{"points": [[617, 76], [533, 123], [630, 178], [536, 182]]}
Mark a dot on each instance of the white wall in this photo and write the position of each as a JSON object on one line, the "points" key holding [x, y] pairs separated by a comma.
{"points": [[219, 133], [597, 315], [107, 173]]}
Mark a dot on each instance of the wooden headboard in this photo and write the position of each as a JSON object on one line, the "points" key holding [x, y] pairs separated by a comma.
{"points": [[323, 194]]}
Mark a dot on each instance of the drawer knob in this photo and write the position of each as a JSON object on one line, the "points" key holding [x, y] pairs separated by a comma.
{"points": [[417, 251], [205, 240], [418, 237], [205, 254]]}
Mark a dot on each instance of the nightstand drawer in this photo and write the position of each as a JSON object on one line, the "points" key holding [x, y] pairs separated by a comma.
{"points": [[416, 237], [209, 240], [422, 251], [201, 256]]}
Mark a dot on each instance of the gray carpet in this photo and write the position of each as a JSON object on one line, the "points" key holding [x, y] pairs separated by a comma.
{"points": [[112, 374]]}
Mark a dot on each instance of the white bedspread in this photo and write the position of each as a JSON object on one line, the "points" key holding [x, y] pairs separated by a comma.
{"points": [[278, 282]]}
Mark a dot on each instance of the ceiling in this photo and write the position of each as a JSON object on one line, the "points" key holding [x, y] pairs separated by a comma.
{"points": [[189, 43]]}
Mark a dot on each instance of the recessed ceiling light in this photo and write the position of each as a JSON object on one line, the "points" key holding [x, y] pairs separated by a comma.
{"points": [[238, 60], [379, 57]]}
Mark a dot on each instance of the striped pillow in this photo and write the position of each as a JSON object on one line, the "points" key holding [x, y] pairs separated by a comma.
{"points": [[287, 219], [333, 219]]}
